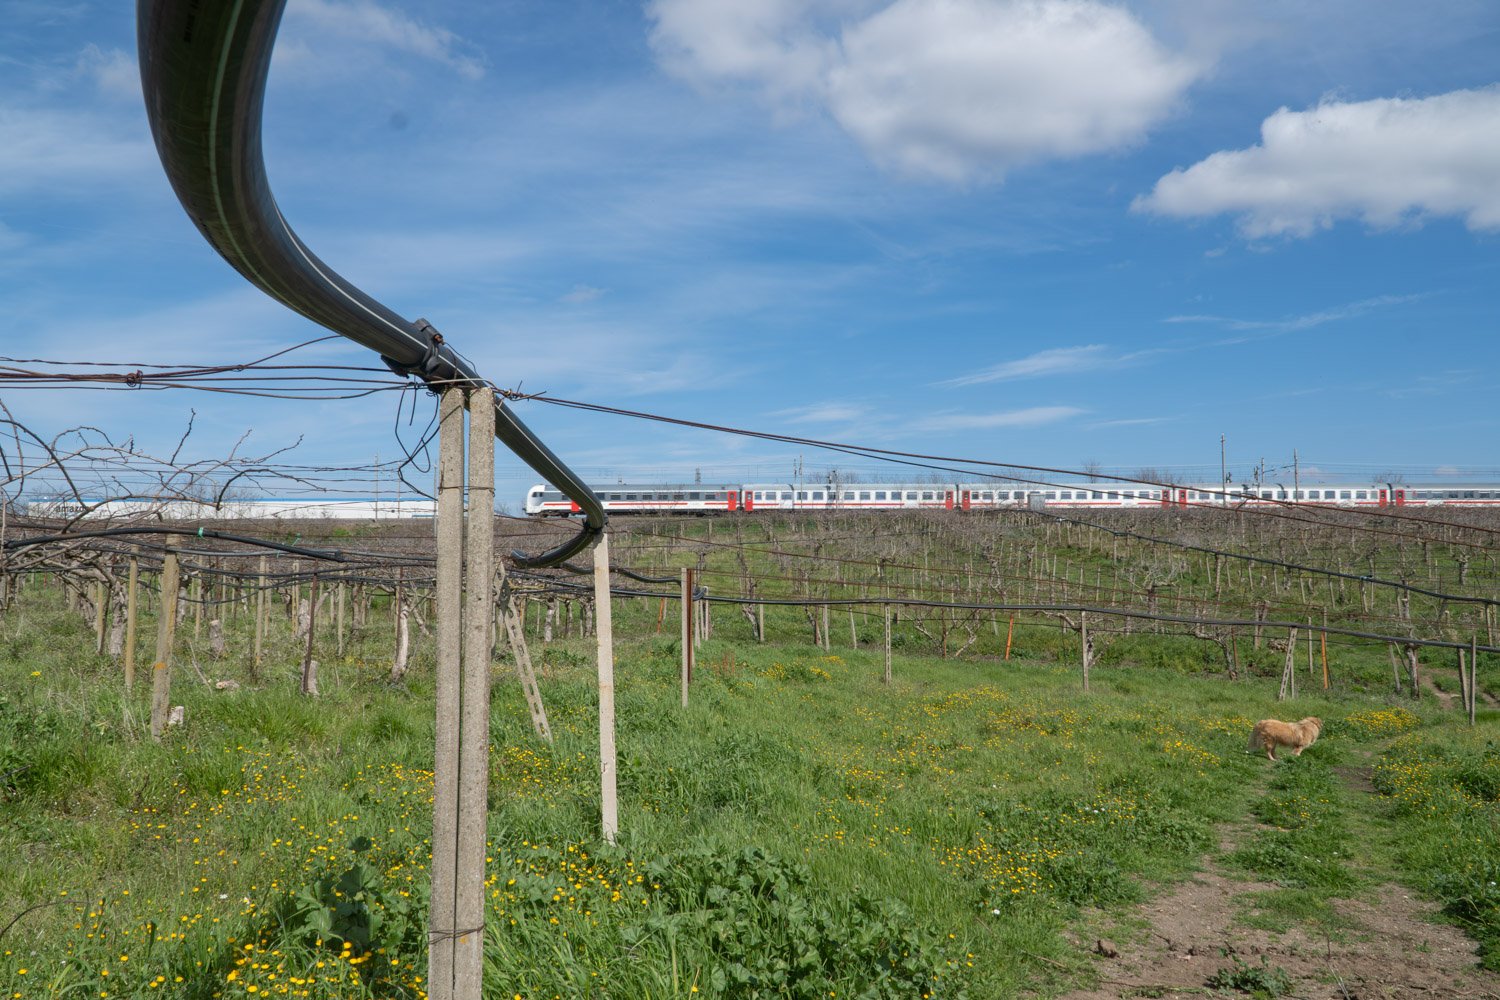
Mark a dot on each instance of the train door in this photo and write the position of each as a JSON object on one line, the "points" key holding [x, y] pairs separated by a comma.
{"points": [[947, 499], [965, 499], [1399, 497], [1182, 498], [734, 500], [1166, 497], [1385, 498]]}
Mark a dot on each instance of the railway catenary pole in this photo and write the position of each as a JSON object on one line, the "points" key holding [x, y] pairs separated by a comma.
{"points": [[203, 75]]}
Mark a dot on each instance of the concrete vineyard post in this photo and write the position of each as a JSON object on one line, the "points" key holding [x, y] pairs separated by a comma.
{"points": [[166, 625], [605, 630]]}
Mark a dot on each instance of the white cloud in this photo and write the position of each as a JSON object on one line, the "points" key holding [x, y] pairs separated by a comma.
{"points": [[1034, 416], [824, 413], [368, 22], [1384, 162], [1128, 422], [1304, 321], [65, 150], [954, 89], [113, 71], [581, 294], [1054, 361], [962, 88]]}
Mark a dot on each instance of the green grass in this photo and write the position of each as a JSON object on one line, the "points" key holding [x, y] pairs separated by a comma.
{"points": [[800, 830]]}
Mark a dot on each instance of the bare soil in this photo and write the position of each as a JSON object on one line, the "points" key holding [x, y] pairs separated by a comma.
{"points": [[1392, 945]]}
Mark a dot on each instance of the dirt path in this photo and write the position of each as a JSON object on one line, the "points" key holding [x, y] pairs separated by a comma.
{"points": [[1388, 948]]}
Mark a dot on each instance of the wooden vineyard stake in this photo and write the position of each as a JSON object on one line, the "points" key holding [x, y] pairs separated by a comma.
{"points": [[260, 617], [1473, 675], [339, 621], [609, 807], [310, 665], [99, 616], [515, 630], [166, 625], [887, 677], [132, 589], [1289, 671], [1010, 631], [687, 632], [1088, 648]]}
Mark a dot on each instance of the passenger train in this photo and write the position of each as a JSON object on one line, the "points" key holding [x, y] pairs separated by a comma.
{"points": [[703, 498]]}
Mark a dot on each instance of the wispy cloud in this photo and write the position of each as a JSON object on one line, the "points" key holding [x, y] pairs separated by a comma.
{"points": [[1305, 321], [581, 294], [1034, 416], [823, 413], [369, 23], [1053, 361], [1128, 422]]}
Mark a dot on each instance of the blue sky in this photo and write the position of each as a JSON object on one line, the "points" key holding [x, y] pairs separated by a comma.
{"points": [[1053, 231]]}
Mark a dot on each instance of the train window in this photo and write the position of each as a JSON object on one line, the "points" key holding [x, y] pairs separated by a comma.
{"points": [[989, 495], [911, 494], [848, 494], [1485, 495], [1066, 495], [1361, 494], [864, 494], [695, 496], [1345, 495], [927, 495], [677, 496], [817, 494], [1002, 494], [1096, 495], [1468, 494], [1052, 495], [712, 496], [801, 494], [1281, 494], [880, 494]]}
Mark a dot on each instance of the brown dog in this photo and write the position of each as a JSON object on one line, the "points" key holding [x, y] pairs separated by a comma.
{"points": [[1269, 734]]}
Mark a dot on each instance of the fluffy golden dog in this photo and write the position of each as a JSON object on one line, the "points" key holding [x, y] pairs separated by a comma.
{"points": [[1269, 734]]}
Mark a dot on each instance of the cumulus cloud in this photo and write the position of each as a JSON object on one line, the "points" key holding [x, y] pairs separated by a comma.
{"points": [[1384, 162], [960, 90], [367, 22]]}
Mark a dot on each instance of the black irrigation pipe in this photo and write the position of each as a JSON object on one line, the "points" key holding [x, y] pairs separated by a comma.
{"points": [[203, 74], [1267, 561]]}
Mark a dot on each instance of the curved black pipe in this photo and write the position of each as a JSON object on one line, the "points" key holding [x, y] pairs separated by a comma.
{"points": [[203, 70]]}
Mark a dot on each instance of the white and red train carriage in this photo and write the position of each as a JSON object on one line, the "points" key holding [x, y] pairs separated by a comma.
{"points": [[701, 498]]}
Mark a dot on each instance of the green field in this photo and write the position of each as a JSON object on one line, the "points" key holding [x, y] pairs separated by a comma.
{"points": [[800, 830]]}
